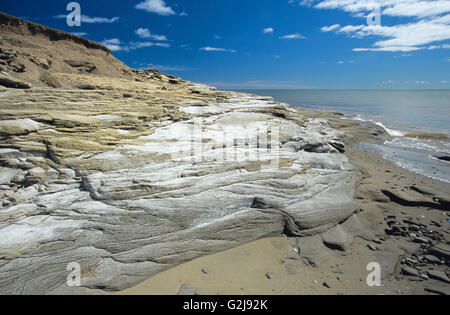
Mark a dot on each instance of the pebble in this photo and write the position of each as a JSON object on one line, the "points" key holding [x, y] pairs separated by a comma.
{"points": [[432, 259], [438, 275], [269, 275], [421, 240], [423, 276], [205, 271], [411, 261], [408, 271], [371, 247]]}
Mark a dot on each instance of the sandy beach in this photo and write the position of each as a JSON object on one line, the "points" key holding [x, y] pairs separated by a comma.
{"points": [[265, 267]]}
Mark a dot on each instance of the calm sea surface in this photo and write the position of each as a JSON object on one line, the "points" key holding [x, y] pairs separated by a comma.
{"points": [[419, 121]]}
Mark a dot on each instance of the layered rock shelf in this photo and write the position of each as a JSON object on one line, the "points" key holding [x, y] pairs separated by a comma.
{"points": [[131, 178], [127, 173]]}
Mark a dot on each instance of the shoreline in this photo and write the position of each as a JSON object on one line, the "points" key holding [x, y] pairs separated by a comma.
{"points": [[100, 174], [244, 270]]}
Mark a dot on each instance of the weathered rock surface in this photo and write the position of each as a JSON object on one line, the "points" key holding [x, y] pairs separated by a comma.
{"points": [[10, 82], [389, 259], [114, 191], [337, 238], [147, 171]]}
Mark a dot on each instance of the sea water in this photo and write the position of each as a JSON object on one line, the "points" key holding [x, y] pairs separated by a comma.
{"points": [[418, 121]]}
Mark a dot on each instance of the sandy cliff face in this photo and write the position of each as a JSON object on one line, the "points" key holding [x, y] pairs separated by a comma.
{"points": [[39, 55], [128, 173]]}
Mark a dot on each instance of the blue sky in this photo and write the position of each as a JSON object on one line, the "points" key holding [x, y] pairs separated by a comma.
{"points": [[269, 43]]}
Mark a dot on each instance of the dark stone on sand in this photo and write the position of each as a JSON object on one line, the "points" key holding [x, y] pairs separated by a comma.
{"points": [[408, 271], [432, 259], [438, 275], [443, 158], [440, 250], [438, 289], [372, 248], [421, 240]]}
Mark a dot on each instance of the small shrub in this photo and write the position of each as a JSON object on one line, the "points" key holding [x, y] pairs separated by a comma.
{"points": [[49, 79]]}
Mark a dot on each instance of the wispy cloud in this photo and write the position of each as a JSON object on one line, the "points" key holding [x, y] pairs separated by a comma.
{"points": [[268, 30], [79, 34], [217, 49], [293, 36], [430, 23], [91, 20], [157, 6], [388, 82], [145, 33], [165, 67], [116, 45], [260, 84], [330, 28]]}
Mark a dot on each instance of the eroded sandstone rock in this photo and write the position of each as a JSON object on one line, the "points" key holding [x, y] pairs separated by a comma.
{"points": [[128, 187]]}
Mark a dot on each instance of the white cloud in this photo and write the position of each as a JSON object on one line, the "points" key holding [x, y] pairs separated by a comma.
{"points": [[293, 36], [145, 33], [113, 44], [217, 37], [164, 67], [385, 82], [261, 84], [330, 28], [116, 45], [217, 49], [79, 34], [445, 46], [156, 6], [268, 30], [91, 20], [429, 23]]}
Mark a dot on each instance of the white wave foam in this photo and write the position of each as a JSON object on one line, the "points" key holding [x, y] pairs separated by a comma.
{"points": [[392, 132]]}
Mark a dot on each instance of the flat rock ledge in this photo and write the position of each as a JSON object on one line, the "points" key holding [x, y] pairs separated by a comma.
{"points": [[126, 197]]}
